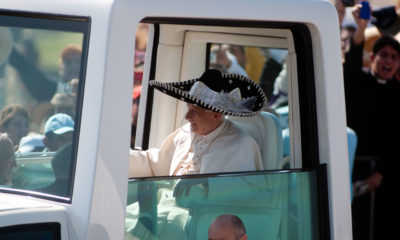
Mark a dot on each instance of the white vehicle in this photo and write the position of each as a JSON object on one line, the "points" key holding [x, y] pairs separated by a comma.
{"points": [[305, 193]]}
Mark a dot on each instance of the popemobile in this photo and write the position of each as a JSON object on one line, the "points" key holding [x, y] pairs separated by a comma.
{"points": [[74, 140]]}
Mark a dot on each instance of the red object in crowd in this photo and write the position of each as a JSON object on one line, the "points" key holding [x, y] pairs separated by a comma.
{"points": [[137, 75], [136, 92]]}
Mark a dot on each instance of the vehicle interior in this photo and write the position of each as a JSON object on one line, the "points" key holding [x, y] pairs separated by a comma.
{"points": [[271, 199]]}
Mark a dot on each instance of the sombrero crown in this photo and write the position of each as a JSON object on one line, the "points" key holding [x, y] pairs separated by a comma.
{"points": [[226, 93]]}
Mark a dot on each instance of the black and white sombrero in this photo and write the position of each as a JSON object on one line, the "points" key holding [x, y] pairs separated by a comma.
{"points": [[229, 94]]}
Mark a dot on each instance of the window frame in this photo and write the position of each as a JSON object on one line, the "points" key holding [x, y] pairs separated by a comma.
{"points": [[56, 22], [304, 68], [304, 98], [53, 227]]}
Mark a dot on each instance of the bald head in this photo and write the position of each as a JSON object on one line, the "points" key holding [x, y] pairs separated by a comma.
{"points": [[227, 227]]}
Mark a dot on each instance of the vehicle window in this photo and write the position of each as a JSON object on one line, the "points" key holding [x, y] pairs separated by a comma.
{"points": [[277, 205], [187, 139], [272, 204], [40, 231], [41, 80], [268, 68]]}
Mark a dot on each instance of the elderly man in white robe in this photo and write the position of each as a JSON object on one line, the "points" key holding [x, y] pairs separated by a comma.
{"points": [[209, 143]]}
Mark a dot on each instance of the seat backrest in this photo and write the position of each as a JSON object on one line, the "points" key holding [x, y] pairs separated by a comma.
{"points": [[352, 146], [286, 142], [266, 130], [283, 113]]}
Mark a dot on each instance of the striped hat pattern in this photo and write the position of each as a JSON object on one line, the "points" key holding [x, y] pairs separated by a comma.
{"points": [[229, 94]]}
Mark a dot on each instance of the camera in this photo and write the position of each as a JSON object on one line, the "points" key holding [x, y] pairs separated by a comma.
{"points": [[348, 3]]}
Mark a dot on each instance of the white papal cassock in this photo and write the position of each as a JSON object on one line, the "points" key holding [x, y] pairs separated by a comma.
{"points": [[226, 149]]}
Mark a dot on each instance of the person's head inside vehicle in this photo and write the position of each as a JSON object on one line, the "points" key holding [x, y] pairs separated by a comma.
{"points": [[227, 227], [385, 58], [58, 131]]}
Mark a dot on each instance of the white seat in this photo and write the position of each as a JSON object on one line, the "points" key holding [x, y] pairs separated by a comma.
{"points": [[266, 130]]}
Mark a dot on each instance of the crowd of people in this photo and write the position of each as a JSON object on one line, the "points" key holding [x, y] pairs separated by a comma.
{"points": [[17, 139], [37, 110], [371, 64]]}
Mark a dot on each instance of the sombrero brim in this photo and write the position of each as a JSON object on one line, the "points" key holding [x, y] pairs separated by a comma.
{"points": [[248, 89]]}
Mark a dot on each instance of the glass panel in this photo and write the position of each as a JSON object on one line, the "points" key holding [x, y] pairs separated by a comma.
{"points": [[40, 231], [280, 205], [265, 66], [41, 74]]}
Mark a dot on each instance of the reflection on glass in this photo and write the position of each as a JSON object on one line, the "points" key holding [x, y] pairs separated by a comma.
{"points": [[40, 73], [271, 206], [265, 66]]}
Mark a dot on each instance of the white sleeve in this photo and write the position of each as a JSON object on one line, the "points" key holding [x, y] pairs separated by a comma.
{"points": [[139, 162], [152, 162]]}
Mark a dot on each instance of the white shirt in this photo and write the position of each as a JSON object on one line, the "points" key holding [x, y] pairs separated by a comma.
{"points": [[226, 149], [200, 145]]}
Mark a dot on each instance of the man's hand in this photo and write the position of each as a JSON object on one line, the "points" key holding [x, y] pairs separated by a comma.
{"points": [[362, 24], [368, 185], [374, 181]]}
